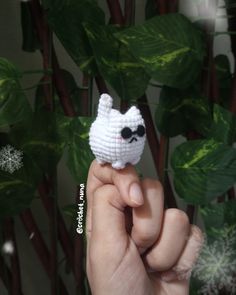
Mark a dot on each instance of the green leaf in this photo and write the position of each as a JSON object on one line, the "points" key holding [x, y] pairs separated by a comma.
{"points": [[72, 88], [170, 48], [179, 111], [79, 159], [75, 133], [14, 105], [39, 138], [203, 170], [17, 189], [219, 217], [122, 71], [224, 125], [65, 18]]}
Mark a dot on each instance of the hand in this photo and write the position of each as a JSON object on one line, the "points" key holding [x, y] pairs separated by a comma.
{"points": [[134, 246]]}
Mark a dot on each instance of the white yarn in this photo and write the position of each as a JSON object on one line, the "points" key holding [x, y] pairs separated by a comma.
{"points": [[106, 136]]}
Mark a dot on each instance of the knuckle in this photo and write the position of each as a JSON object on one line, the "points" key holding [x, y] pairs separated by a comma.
{"points": [[146, 237], [105, 191], [177, 216], [158, 262]]}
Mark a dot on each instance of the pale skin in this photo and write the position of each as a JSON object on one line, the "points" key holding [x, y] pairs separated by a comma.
{"points": [[134, 245]]}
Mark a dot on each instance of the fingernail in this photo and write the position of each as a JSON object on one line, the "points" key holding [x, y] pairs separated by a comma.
{"points": [[168, 276], [136, 194]]}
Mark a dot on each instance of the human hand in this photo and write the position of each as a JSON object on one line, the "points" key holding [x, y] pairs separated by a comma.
{"points": [[134, 246]]}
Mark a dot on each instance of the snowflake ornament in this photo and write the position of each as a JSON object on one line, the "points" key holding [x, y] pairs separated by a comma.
{"points": [[10, 159], [216, 266], [8, 247], [117, 138]]}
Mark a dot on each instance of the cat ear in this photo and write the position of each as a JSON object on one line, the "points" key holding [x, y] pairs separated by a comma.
{"points": [[133, 112], [105, 105]]}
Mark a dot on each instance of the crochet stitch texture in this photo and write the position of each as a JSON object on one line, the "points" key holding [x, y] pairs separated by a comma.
{"points": [[117, 138]]}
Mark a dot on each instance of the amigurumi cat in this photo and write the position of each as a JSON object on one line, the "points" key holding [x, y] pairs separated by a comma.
{"points": [[117, 138]]}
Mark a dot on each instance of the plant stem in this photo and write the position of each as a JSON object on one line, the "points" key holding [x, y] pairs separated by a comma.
{"points": [[155, 149], [163, 156], [69, 111], [44, 37], [129, 12], [6, 276], [85, 107], [61, 88], [39, 245], [63, 94], [63, 234], [101, 85], [173, 6], [232, 27], [161, 6], [116, 12], [15, 267]]}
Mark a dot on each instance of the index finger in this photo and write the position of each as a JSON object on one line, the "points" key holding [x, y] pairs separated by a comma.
{"points": [[125, 180]]}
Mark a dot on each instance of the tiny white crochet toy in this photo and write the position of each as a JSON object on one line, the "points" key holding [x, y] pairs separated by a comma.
{"points": [[117, 138]]}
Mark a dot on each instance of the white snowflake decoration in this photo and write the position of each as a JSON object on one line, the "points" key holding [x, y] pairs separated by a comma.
{"points": [[10, 159], [216, 265], [8, 247]]}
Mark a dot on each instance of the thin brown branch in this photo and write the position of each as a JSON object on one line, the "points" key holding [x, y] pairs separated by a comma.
{"points": [[44, 36], [101, 85], [6, 276], [63, 234], [9, 235], [232, 107], [61, 88], [233, 94], [116, 12], [38, 17], [155, 148], [129, 12], [162, 160], [162, 6], [85, 106], [231, 194], [39, 245], [173, 6]]}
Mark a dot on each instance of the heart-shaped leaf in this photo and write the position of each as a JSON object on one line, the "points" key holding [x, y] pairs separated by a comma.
{"points": [[14, 105], [203, 170], [224, 125], [123, 72], [65, 18], [170, 48], [179, 111]]}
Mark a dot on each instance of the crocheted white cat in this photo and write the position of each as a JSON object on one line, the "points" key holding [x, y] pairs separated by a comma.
{"points": [[117, 138]]}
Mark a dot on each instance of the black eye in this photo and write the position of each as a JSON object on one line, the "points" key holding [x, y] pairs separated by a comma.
{"points": [[140, 130], [126, 132]]}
